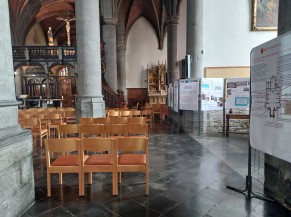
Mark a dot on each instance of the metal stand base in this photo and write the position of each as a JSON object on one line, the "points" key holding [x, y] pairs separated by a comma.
{"points": [[248, 190]]}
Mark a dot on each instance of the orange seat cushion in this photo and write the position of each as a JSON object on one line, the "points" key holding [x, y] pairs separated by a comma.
{"points": [[66, 160], [132, 159], [99, 159]]}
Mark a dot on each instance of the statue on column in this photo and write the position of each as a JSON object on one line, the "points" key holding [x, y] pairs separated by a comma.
{"points": [[68, 27], [50, 37]]}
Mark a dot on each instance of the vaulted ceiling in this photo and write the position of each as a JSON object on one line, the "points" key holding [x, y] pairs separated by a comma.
{"points": [[24, 14]]}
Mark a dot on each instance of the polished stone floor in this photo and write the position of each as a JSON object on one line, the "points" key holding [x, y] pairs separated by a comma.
{"points": [[188, 177]]}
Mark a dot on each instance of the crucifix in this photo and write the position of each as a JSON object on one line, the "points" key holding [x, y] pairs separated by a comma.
{"points": [[68, 27]]}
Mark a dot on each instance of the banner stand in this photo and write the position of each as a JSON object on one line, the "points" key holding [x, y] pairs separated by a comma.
{"points": [[199, 108], [223, 109], [248, 189]]}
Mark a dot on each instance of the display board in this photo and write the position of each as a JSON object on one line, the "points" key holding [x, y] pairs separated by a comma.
{"points": [[188, 94], [176, 96], [237, 94], [211, 94], [270, 121], [170, 95]]}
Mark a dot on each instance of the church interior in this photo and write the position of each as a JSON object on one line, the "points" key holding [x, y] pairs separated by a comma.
{"points": [[92, 124]]}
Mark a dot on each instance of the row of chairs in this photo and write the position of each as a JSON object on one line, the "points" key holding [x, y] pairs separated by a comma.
{"points": [[128, 154], [103, 130], [114, 120]]}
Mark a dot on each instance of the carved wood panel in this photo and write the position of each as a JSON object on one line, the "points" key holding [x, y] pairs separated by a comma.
{"points": [[136, 95]]}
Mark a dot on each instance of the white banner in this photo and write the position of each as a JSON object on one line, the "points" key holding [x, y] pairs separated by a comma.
{"points": [[188, 94], [237, 94], [211, 94], [270, 123], [176, 96]]}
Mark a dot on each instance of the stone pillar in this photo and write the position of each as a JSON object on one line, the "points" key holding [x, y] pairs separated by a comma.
{"points": [[109, 37], [194, 46], [16, 167], [172, 27], [121, 70], [277, 171], [89, 100]]}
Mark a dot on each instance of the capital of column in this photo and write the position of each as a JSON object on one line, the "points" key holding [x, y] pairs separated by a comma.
{"points": [[110, 21], [173, 20]]}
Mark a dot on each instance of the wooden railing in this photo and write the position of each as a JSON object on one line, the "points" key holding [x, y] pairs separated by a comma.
{"points": [[112, 98]]}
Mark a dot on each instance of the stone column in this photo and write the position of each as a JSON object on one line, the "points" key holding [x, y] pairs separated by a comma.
{"points": [[172, 27], [277, 171], [109, 37], [194, 46], [89, 100], [121, 70], [16, 168]]}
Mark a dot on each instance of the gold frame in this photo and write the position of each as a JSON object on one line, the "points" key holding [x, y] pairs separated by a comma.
{"points": [[272, 14]]}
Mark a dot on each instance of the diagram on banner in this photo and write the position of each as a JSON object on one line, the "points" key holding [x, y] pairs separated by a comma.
{"points": [[273, 96]]}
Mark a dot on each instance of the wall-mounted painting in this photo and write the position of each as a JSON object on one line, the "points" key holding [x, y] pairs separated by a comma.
{"points": [[265, 15]]}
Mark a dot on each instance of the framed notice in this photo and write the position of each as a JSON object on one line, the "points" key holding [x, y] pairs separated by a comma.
{"points": [[211, 94], [237, 93], [176, 96], [270, 119], [188, 94]]}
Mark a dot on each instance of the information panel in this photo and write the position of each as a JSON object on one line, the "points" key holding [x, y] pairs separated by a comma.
{"points": [[211, 94], [270, 121], [176, 96], [188, 94], [237, 94]]}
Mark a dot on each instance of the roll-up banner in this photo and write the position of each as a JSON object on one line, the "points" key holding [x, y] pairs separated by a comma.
{"points": [[188, 94], [176, 96], [212, 94], [270, 117]]}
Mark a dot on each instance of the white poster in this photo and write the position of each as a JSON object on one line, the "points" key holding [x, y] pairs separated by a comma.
{"points": [[237, 94], [270, 123], [170, 95], [188, 94], [211, 94], [176, 96]]}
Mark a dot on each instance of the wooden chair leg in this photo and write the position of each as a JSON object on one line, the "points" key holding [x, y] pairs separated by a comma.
{"points": [[81, 186], [147, 182], [60, 179], [48, 184], [114, 184], [90, 179], [40, 141], [119, 177]]}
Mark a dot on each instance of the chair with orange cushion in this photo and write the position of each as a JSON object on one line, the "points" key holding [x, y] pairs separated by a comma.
{"points": [[98, 162], [89, 130], [54, 121], [132, 157], [137, 130], [37, 128], [68, 130], [64, 163], [148, 114]]}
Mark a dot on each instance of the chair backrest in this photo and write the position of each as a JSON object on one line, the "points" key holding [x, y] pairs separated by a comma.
{"points": [[112, 113], [118, 120], [55, 118], [138, 130], [114, 130], [128, 144], [97, 144], [40, 116], [62, 113], [87, 121], [124, 113], [135, 113], [62, 145], [102, 120], [30, 123], [70, 109], [136, 120], [68, 129], [89, 130]]}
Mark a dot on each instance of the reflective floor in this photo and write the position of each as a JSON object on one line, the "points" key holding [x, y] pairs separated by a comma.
{"points": [[187, 178]]}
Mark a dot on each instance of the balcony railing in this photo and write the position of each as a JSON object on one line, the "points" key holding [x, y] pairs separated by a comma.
{"points": [[43, 53]]}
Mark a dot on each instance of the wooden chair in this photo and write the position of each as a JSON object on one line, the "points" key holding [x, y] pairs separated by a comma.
{"points": [[68, 130], [54, 121], [113, 113], [118, 120], [102, 120], [37, 128], [87, 121], [156, 111], [136, 113], [125, 113], [148, 114], [69, 163], [137, 130], [89, 130], [164, 111], [70, 117], [98, 162], [130, 158], [70, 109], [114, 130], [136, 120]]}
